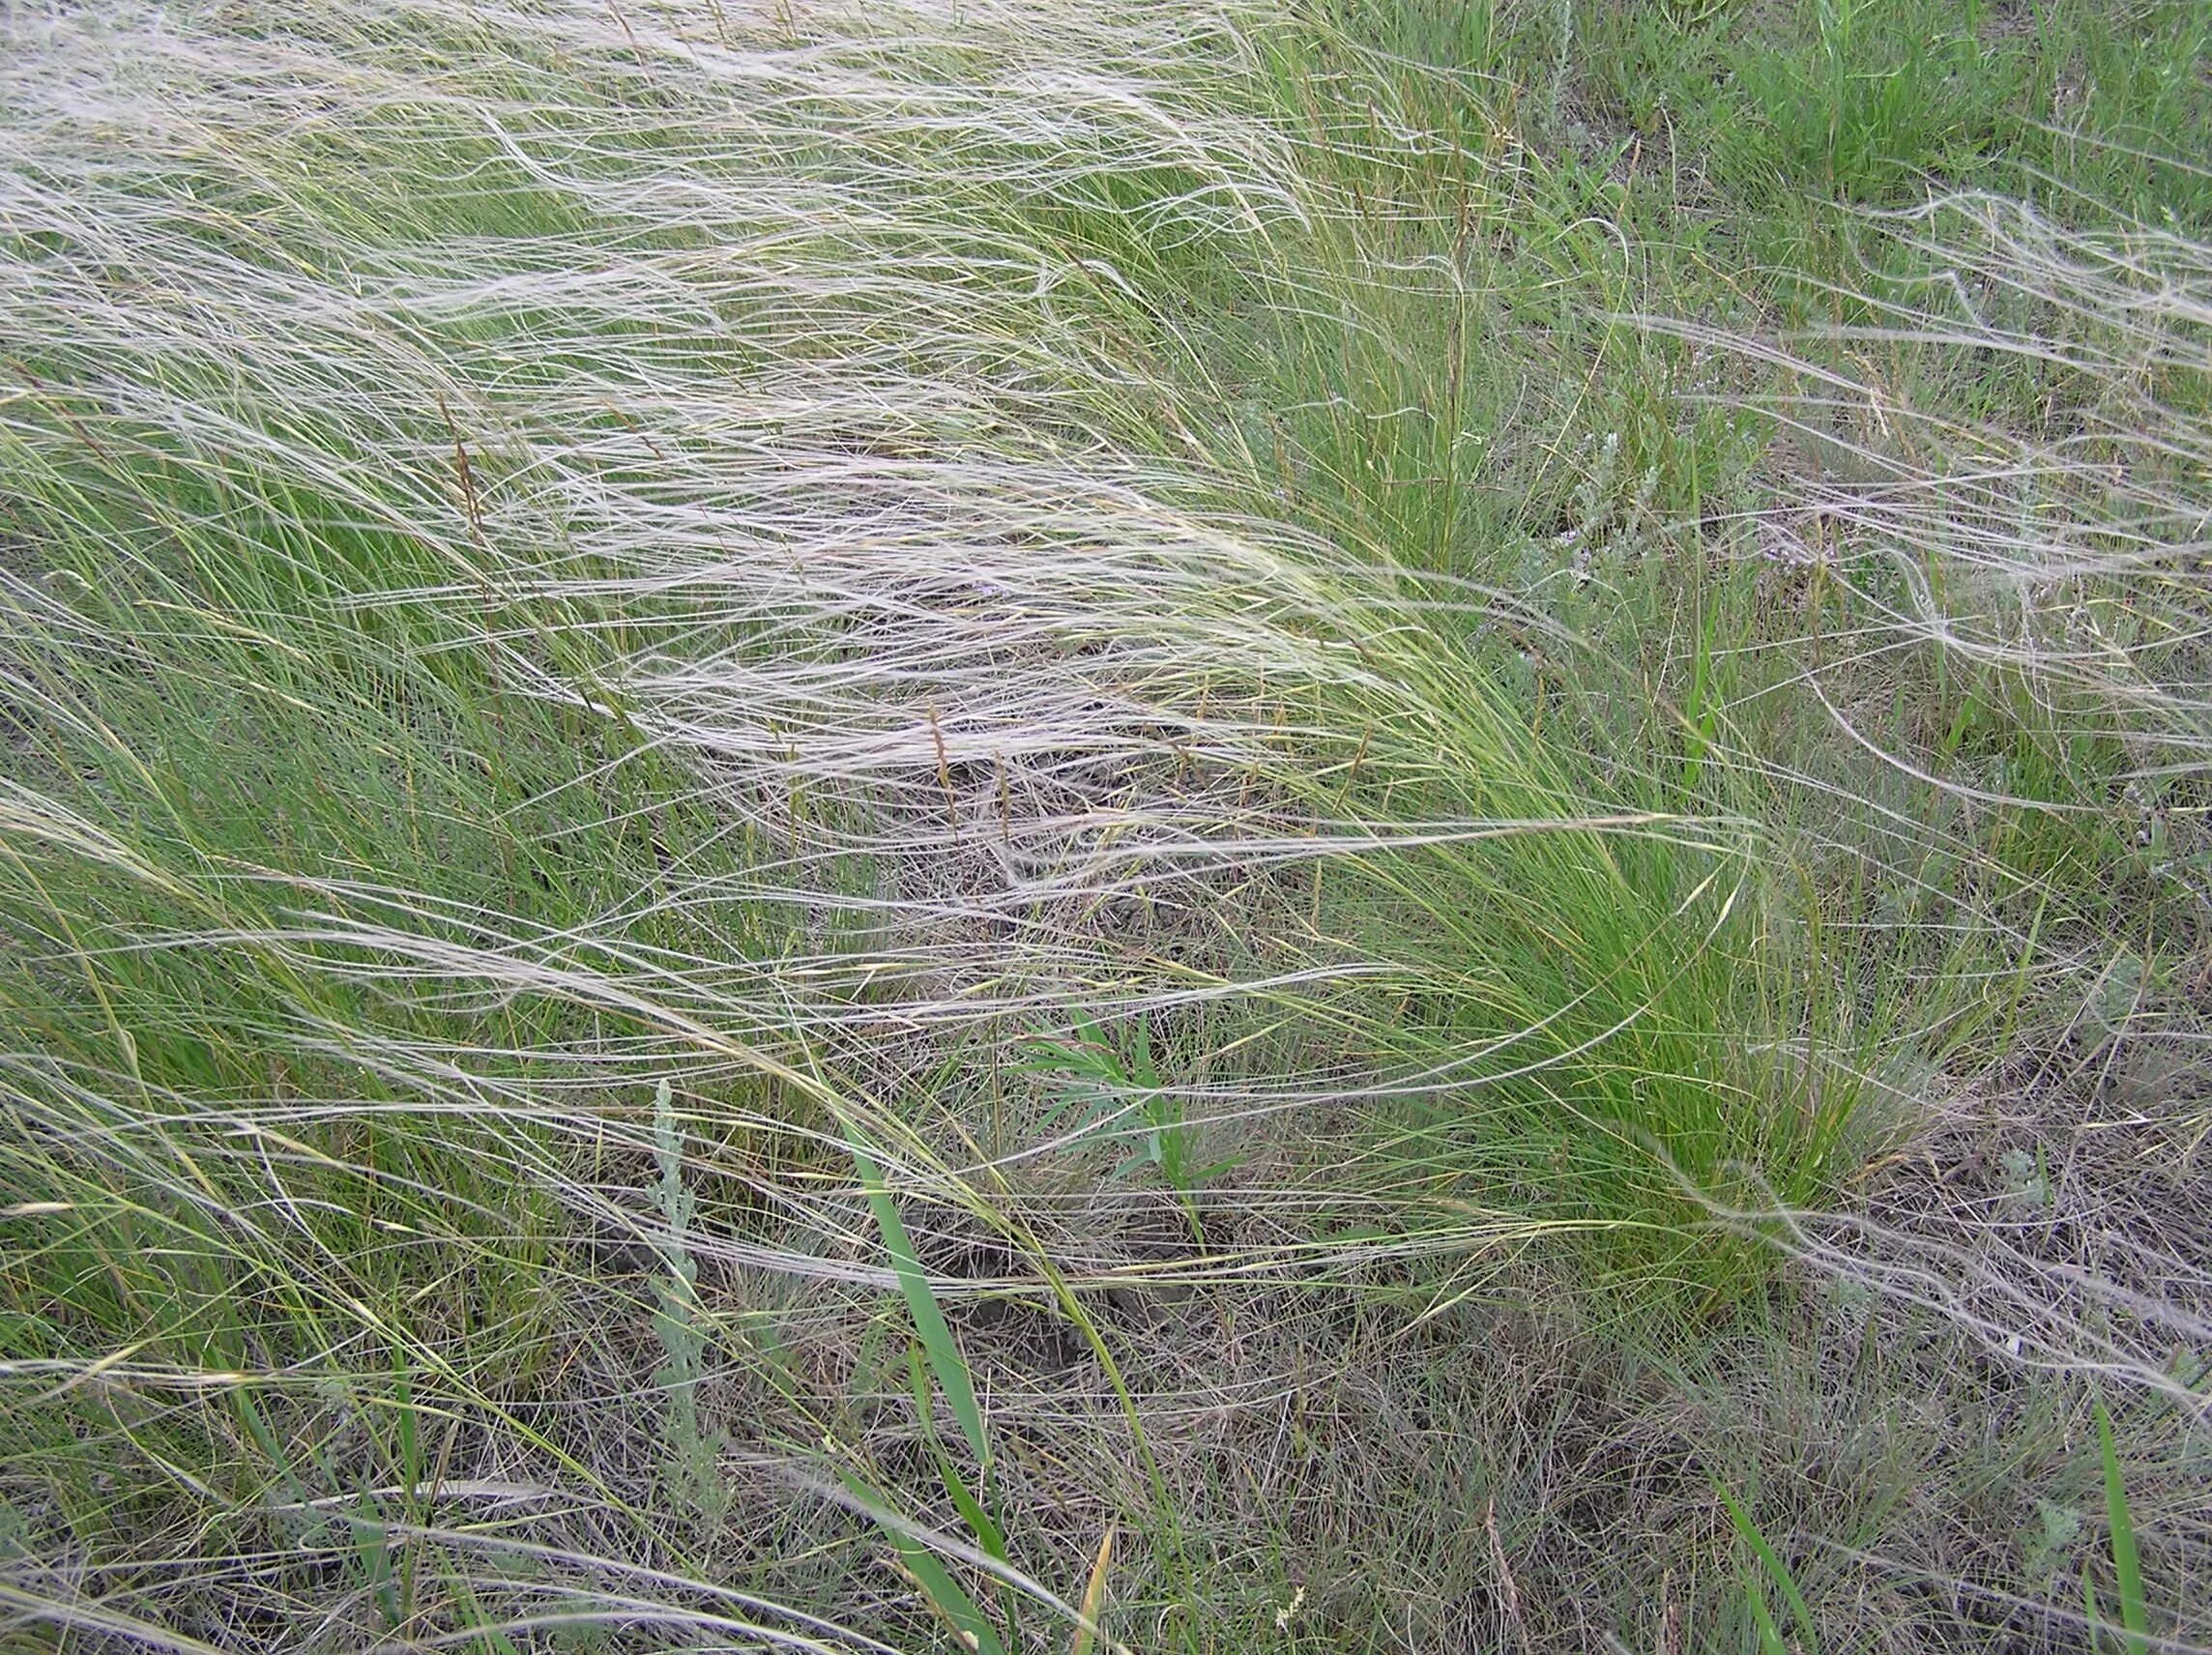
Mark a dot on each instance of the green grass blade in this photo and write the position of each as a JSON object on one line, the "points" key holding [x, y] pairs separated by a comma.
{"points": [[1769, 1635], [2127, 1563], [945, 1362], [947, 1597], [1775, 1567], [988, 1533]]}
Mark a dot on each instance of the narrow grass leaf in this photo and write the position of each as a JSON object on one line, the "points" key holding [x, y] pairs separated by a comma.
{"points": [[1776, 1568], [945, 1362], [1094, 1595], [2127, 1564]]}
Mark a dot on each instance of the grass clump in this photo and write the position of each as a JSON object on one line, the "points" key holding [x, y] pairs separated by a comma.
{"points": [[1302, 826]]}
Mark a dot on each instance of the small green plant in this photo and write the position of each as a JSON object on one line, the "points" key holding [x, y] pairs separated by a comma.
{"points": [[2127, 1564], [1771, 1639], [1562, 63], [1098, 1089], [693, 1474], [936, 1357], [2027, 1179], [946, 1364]]}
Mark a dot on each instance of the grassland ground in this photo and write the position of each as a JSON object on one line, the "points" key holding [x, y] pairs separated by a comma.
{"points": [[1327, 825]]}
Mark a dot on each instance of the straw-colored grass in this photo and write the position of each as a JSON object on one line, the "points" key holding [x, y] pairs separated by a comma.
{"points": [[1022, 823]]}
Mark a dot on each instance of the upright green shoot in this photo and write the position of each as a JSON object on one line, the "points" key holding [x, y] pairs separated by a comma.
{"points": [[2127, 1563]]}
